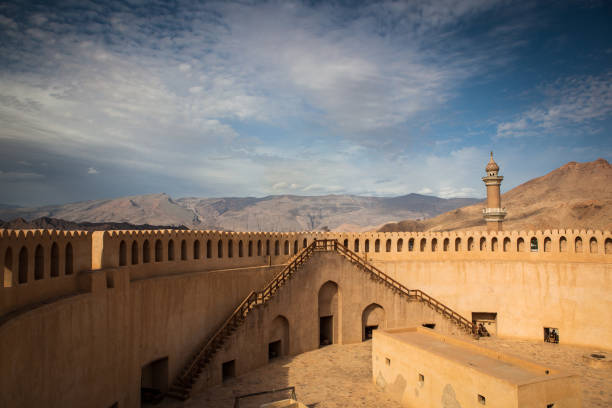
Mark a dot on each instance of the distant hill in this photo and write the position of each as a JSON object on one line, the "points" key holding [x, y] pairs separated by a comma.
{"points": [[55, 223], [576, 195], [272, 213]]}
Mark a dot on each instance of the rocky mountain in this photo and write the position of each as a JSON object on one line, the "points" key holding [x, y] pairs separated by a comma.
{"points": [[576, 195], [56, 223], [272, 213]]}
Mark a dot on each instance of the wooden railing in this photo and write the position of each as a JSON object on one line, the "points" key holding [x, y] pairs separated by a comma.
{"points": [[182, 386]]}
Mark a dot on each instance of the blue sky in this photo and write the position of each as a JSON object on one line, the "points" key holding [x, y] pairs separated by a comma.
{"points": [[107, 99]]}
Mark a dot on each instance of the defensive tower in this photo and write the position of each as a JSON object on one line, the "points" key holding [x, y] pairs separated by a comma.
{"points": [[494, 214]]}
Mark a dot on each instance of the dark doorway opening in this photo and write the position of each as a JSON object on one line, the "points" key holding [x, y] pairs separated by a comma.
{"points": [[326, 330], [429, 325], [154, 381], [368, 332], [275, 349], [228, 370], [551, 335]]}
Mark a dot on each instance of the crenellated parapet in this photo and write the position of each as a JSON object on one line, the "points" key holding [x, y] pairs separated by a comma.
{"points": [[41, 264]]}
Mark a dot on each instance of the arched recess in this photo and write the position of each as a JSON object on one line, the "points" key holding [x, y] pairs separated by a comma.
{"points": [[562, 244], [457, 244], [171, 250], [220, 249], [434, 245], [483, 244], [345, 243], [23, 265], [329, 314], [230, 248], [259, 247], [372, 318], [39, 263], [69, 260], [196, 249], [445, 245], [305, 243], [547, 244], [388, 246], [356, 246], [411, 245], [494, 244], [122, 255], [276, 248], [183, 250], [295, 247], [520, 245], [286, 248], [267, 247], [470, 244], [240, 249], [533, 244], [278, 337], [146, 252], [134, 253], [377, 245], [578, 244], [506, 244], [8, 268], [593, 245], [208, 248], [158, 251], [423, 244], [608, 246], [366, 245], [400, 245], [250, 250], [54, 260]]}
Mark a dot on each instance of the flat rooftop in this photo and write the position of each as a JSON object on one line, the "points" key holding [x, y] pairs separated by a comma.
{"points": [[506, 367]]}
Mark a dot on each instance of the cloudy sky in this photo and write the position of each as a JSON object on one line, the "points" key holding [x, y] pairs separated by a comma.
{"points": [[107, 99]]}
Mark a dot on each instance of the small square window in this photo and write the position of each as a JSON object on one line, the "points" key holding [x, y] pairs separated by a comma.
{"points": [[482, 400], [550, 405], [421, 378], [387, 361]]}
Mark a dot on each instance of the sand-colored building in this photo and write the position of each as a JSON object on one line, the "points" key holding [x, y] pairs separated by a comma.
{"points": [[88, 319]]}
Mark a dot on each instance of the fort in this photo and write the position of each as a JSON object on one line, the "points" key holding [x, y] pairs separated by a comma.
{"points": [[90, 318]]}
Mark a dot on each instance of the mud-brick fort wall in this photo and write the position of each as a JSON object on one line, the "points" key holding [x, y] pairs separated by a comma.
{"points": [[82, 313]]}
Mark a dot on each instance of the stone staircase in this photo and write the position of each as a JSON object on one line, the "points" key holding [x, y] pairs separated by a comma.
{"points": [[183, 384]]}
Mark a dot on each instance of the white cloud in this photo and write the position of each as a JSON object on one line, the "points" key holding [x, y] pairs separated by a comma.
{"points": [[91, 170], [184, 67]]}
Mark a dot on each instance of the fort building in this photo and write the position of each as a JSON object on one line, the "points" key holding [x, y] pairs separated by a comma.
{"points": [[93, 318]]}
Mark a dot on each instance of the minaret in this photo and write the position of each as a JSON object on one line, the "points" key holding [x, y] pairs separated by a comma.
{"points": [[493, 214]]}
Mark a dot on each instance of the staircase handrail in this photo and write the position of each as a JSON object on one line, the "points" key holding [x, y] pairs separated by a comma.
{"points": [[414, 293]]}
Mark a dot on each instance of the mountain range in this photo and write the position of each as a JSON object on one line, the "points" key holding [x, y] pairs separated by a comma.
{"points": [[272, 213]]}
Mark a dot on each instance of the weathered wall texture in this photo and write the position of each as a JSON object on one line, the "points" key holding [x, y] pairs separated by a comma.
{"points": [[70, 335]]}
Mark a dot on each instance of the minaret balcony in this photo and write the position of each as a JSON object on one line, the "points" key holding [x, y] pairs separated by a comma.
{"points": [[494, 214]]}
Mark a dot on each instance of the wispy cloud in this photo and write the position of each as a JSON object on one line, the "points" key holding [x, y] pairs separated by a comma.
{"points": [[566, 103]]}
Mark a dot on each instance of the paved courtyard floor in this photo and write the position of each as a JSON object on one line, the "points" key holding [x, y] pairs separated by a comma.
{"points": [[340, 376]]}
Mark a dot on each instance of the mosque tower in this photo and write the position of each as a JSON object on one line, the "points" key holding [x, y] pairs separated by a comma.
{"points": [[494, 215]]}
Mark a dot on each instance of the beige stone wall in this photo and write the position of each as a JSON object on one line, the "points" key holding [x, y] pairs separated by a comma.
{"points": [[69, 339]]}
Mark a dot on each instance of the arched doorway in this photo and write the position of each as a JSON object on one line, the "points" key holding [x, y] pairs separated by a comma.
{"points": [[372, 318], [278, 338], [329, 314]]}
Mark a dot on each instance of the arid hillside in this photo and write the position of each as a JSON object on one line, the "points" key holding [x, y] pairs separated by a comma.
{"points": [[576, 195]]}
